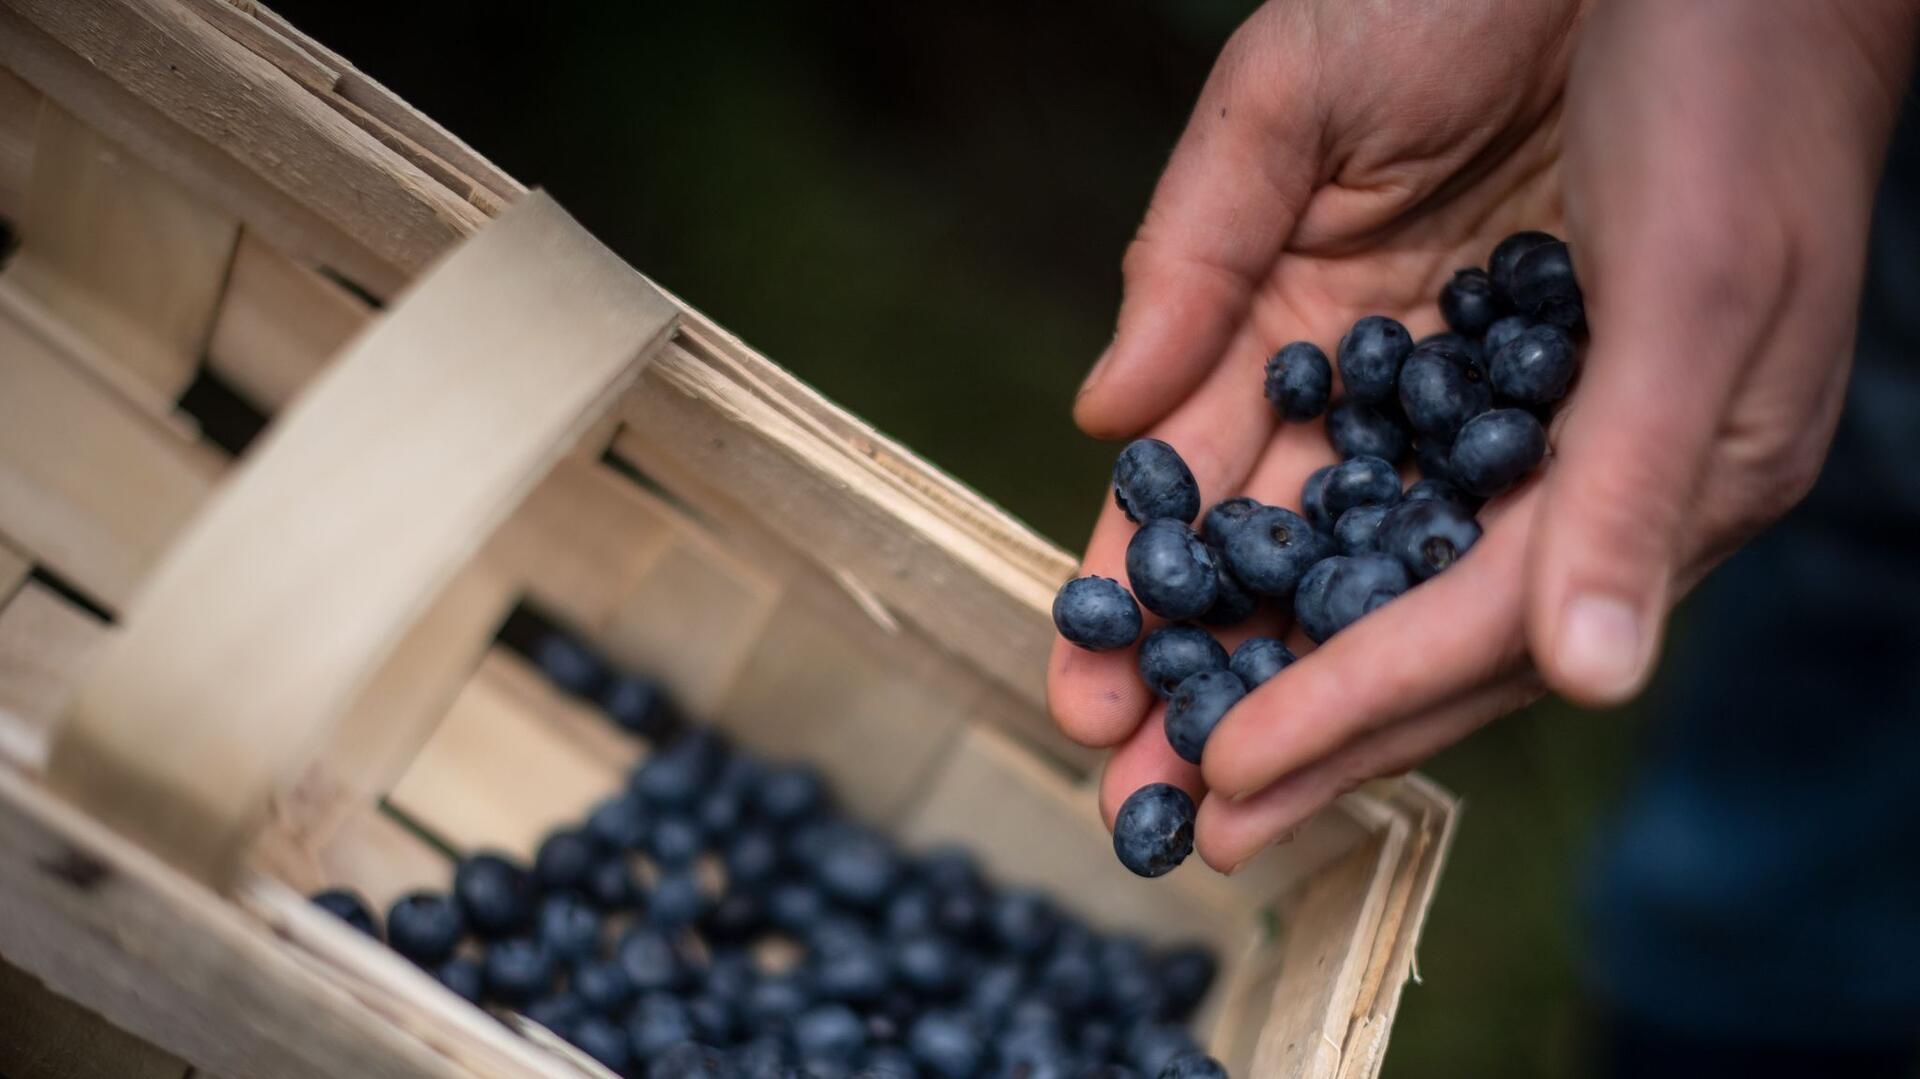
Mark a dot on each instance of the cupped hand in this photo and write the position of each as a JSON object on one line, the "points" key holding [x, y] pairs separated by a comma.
{"points": [[1715, 164]]}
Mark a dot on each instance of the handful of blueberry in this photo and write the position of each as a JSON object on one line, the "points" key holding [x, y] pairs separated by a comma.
{"points": [[1468, 405], [719, 918]]}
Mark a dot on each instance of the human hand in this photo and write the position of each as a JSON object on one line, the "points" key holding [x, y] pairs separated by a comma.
{"points": [[1718, 172]]}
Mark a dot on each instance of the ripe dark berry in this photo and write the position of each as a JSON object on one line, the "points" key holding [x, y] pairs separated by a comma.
{"points": [[1299, 379], [1197, 707], [1153, 831], [789, 792], [619, 823], [1223, 518], [734, 918], [1438, 490], [1151, 1048], [774, 1000], [1313, 499], [1536, 367], [568, 926], [642, 706], [603, 986], [1370, 357], [1096, 613], [1023, 921], [1428, 536], [464, 977], [1360, 585], [518, 969], [947, 1045], [1360, 481], [1433, 456], [494, 893], [828, 1035], [658, 1022], [1357, 530], [1310, 599], [690, 1060], [1171, 571], [1448, 341], [1186, 973], [1235, 603], [1172, 653], [1544, 287], [1070, 978], [1193, 1064], [1441, 389], [611, 884], [1357, 429], [677, 775], [752, 858], [1258, 659], [1467, 302], [651, 961], [888, 1062], [569, 663], [1150, 481], [1502, 331], [678, 899], [1506, 254], [795, 905], [857, 867], [1496, 450], [347, 905], [564, 860], [1275, 547], [425, 927], [604, 1041], [928, 964], [675, 841]]}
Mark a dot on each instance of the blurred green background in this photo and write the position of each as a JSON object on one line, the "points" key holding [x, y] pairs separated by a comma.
{"points": [[920, 209]]}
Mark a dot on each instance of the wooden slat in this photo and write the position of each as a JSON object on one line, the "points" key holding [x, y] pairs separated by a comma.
{"points": [[90, 484], [279, 323], [285, 595], [691, 619], [45, 642], [19, 115], [121, 252], [45, 1036], [372, 854]]}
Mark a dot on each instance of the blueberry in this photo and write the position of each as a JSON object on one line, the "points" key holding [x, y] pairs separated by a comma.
{"points": [[1299, 379], [762, 1057], [1171, 653], [1186, 973], [1436, 489], [1370, 357], [1357, 529], [678, 898], [675, 841], [348, 906], [1502, 331], [689, 1060], [1442, 389], [911, 912], [677, 775], [1098, 1038], [642, 706], [949, 867], [1428, 536], [992, 992], [568, 926], [734, 918], [463, 976], [1452, 343], [604, 1041], [1506, 254], [1108, 1070], [1276, 545], [1545, 289], [1096, 614], [1468, 303], [1313, 499], [425, 927], [558, 1012], [773, 1001], [851, 967], [729, 975], [857, 867], [928, 964], [619, 822], [495, 894], [1197, 707], [1150, 481], [1153, 831], [713, 1019], [1359, 481], [1132, 987], [721, 811], [1023, 921], [518, 969], [1434, 457], [1235, 603], [947, 1045], [888, 1062], [752, 857], [1536, 367], [1357, 429], [795, 905], [1193, 1064], [1360, 585], [1151, 1048], [1223, 518], [611, 884], [1496, 450], [828, 1034], [603, 985], [789, 792], [650, 961], [569, 663], [563, 860], [1310, 600], [1258, 659], [1070, 979], [1171, 571], [657, 1023]]}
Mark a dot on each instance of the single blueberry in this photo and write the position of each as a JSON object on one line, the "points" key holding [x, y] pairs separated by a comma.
{"points": [[1133, 988], [1536, 367], [611, 884], [850, 967], [1258, 659], [1235, 603], [678, 899], [1171, 571], [1496, 450], [1098, 1038], [775, 999], [1436, 489], [1108, 1069], [1362, 584], [563, 860], [519, 969], [721, 811], [1070, 979], [888, 1062], [1468, 303], [1359, 481], [425, 927], [1186, 972], [678, 774], [1442, 389], [1023, 921], [1370, 357], [1171, 653], [464, 977], [857, 866], [348, 906], [1150, 481], [928, 964], [1276, 545], [1096, 613], [752, 857], [1152, 1047], [828, 1034], [1193, 1064], [1428, 536], [604, 1041], [557, 1012], [1299, 379], [1434, 457], [962, 911], [1223, 518], [689, 1060], [1313, 496], [1197, 707], [1545, 289], [795, 905], [642, 706], [603, 985], [911, 911], [949, 867], [568, 926], [658, 1022], [620, 822], [569, 663], [1447, 341], [763, 1056], [946, 1044], [1357, 530], [675, 841], [730, 974], [1357, 429], [1310, 600], [651, 961], [1506, 255], [790, 792], [1502, 331], [992, 992], [714, 1021], [1153, 831], [494, 893]]}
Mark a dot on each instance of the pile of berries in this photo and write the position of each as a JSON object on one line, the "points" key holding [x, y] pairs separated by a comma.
{"points": [[1467, 406], [718, 917]]}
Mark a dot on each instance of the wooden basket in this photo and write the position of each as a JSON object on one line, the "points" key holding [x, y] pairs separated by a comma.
{"points": [[224, 683]]}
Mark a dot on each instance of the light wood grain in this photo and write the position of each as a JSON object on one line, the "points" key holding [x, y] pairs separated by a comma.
{"points": [[45, 642], [284, 596], [19, 116], [46, 1036], [279, 323], [692, 618]]}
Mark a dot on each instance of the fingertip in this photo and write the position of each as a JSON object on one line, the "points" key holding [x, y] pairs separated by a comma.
{"points": [[1097, 698], [1599, 649], [1143, 759]]}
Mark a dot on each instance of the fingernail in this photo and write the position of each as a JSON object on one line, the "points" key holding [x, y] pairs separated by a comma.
{"points": [[1601, 644]]}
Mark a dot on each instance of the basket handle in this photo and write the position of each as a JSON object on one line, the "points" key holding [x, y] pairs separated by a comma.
{"points": [[253, 634]]}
